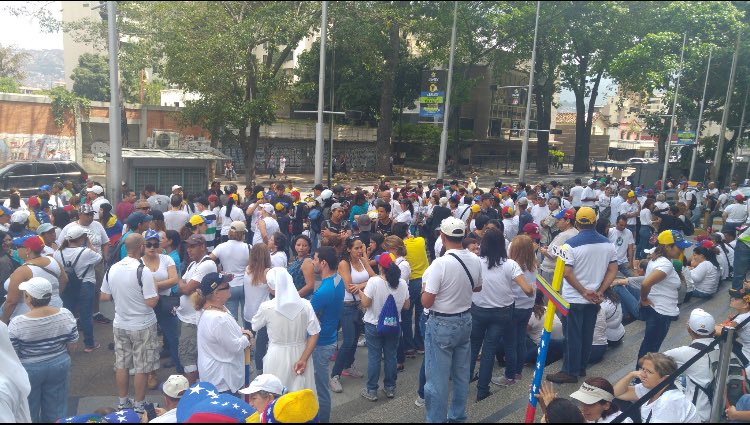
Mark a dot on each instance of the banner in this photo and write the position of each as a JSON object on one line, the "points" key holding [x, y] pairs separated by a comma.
{"points": [[432, 94], [685, 138]]}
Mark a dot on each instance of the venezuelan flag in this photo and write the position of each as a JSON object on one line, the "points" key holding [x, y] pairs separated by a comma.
{"points": [[552, 295]]}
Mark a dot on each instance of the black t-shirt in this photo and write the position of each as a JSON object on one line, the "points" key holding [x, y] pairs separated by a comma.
{"points": [[384, 229], [491, 213], [284, 221], [669, 222], [336, 228]]}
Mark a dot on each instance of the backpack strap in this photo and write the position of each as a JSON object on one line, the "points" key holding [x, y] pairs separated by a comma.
{"points": [[466, 269], [43, 268]]}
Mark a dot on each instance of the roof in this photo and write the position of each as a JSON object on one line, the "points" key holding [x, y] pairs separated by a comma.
{"points": [[570, 117], [212, 154]]}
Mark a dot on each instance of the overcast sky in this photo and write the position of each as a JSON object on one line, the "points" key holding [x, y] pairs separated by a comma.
{"points": [[24, 32]]}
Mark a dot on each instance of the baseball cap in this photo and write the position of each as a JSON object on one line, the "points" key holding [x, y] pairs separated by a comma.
{"points": [[196, 240], [631, 194], [669, 237], [96, 189], [20, 216], [88, 209], [364, 223], [211, 282], [238, 226], [336, 205], [197, 220], [532, 230], [213, 198], [295, 194], [34, 243], [44, 228], [566, 214], [586, 215], [37, 287], [5, 211], [706, 243], [591, 181], [265, 382], [279, 206], [508, 211], [589, 394], [135, 219], [701, 322], [175, 386], [175, 187], [452, 226], [74, 232], [487, 196], [476, 208], [739, 197], [385, 260], [33, 201], [45, 188], [268, 208], [151, 234]]}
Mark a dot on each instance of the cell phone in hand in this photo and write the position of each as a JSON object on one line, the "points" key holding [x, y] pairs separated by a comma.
{"points": [[150, 411]]}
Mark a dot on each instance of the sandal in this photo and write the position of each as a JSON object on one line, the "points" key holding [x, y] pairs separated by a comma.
{"points": [[91, 349]]}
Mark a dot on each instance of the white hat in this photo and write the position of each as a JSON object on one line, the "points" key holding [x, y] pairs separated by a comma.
{"points": [[175, 187], [650, 251], [20, 216], [589, 394], [452, 226], [238, 226], [74, 232], [268, 208], [701, 322], [96, 189], [37, 287], [174, 385], [592, 181], [627, 183], [326, 194], [266, 382]]}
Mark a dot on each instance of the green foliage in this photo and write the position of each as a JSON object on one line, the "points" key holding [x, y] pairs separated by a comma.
{"points": [[12, 63], [64, 102], [91, 77], [8, 85]]}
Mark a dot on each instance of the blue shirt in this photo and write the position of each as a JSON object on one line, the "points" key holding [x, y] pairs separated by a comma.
{"points": [[176, 257], [328, 302], [123, 252]]}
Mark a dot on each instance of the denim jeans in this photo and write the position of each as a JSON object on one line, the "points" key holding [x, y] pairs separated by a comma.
{"points": [[515, 342], [422, 377], [321, 358], [377, 346], [657, 326], [351, 327], [314, 239], [578, 328], [48, 399], [741, 263], [236, 301], [487, 326], [696, 215], [170, 330], [447, 355], [645, 235], [261, 346], [699, 294], [629, 299], [625, 269], [82, 299], [411, 336]]}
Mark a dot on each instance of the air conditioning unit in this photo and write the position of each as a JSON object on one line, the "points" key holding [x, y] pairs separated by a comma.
{"points": [[164, 139]]}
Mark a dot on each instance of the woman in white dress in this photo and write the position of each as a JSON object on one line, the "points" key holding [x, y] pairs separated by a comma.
{"points": [[289, 320]]}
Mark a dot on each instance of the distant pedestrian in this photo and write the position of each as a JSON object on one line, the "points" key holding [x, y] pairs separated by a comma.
{"points": [[282, 166]]}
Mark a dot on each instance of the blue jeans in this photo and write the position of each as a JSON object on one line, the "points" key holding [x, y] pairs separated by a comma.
{"points": [[48, 399], [422, 377], [699, 294], [629, 299], [487, 326], [597, 354], [515, 342], [236, 301], [625, 269], [578, 328], [412, 339], [314, 239], [657, 326], [741, 263], [321, 358], [645, 235], [261, 346], [82, 298], [696, 216], [377, 346], [351, 327], [170, 330], [447, 355]]}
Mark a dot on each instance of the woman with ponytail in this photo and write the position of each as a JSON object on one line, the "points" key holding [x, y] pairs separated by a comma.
{"points": [[228, 214], [374, 297], [704, 270]]}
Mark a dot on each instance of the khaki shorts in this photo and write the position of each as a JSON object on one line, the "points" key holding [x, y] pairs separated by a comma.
{"points": [[188, 346], [137, 350]]}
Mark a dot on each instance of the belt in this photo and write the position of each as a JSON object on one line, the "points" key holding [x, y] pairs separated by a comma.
{"points": [[438, 314]]}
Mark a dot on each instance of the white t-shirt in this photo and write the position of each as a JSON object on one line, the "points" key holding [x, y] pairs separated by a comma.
{"points": [[377, 290], [272, 226], [497, 284], [615, 205], [175, 220], [613, 315], [671, 407], [628, 208], [254, 297], [168, 418], [699, 373], [84, 268], [279, 259], [162, 273], [576, 193], [559, 240], [646, 217], [723, 260], [405, 217], [226, 222], [536, 327], [221, 350], [131, 312], [511, 227], [705, 277], [589, 254], [736, 213], [461, 212], [95, 231], [539, 213], [604, 200], [664, 293], [448, 281], [621, 241], [522, 300], [195, 271], [588, 193], [233, 256], [600, 329]]}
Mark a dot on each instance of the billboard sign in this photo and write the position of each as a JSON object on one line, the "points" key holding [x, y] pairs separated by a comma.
{"points": [[432, 94]]}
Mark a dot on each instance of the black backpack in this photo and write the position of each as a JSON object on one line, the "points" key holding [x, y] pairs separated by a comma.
{"points": [[113, 256], [737, 384], [693, 200], [70, 268]]}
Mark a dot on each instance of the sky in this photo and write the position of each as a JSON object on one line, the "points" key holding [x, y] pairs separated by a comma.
{"points": [[24, 32]]}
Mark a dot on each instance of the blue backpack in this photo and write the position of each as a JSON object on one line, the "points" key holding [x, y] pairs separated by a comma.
{"points": [[388, 323]]}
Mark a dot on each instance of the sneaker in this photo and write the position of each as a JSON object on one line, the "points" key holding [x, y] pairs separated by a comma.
{"points": [[127, 405], [419, 402], [502, 381], [562, 378], [369, 395], [100, 318], [361, 342], [335, 385], [352, 372], [389, 392], [140, 409]]}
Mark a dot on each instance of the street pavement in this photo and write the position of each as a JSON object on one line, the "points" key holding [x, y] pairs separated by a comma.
{"points": [[92, 381]]}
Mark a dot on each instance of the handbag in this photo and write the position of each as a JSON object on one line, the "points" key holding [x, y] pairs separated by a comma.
{"points": [[168, 304]]}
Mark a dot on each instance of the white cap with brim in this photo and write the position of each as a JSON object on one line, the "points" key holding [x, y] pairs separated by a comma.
{"points": [[44, 228], [20, 216], [175, 187], [37, 287], [74, 232], [452, 226], [268, 208], [589, 394], [701, 322], [175, 386], [266, 382]]}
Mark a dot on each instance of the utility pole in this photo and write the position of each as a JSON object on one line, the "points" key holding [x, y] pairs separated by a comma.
{"points": [[330, 127], [321, 93], [700, 117], [739, 136], [444, 134], [672, 118], [525, 146], [114, 173], [725, 115]]}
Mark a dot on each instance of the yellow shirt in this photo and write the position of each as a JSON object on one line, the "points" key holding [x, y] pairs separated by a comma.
{"points": [[416, 255]]}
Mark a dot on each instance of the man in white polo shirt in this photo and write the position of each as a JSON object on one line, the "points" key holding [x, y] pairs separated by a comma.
{"points": [[590, 267], [622, 238], [589, 197], [448, 285]]}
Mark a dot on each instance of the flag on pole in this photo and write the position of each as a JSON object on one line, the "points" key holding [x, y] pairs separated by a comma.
{"points": [[552, 295]]}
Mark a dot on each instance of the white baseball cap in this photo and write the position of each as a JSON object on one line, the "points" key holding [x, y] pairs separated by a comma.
{"points": [[20, 216], [701, 322], [74, 232], [452, 226], [265, 382], [238, 226], [175, 187], [96, 189], [37, 287], [268, 208], [175, 386]]}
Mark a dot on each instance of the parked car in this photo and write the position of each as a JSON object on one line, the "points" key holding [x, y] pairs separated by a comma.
{"points": [[638, 161], [28, 176]]}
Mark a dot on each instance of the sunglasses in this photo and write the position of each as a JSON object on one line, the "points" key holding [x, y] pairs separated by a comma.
{"points": [[152, 245], [223, 288]]}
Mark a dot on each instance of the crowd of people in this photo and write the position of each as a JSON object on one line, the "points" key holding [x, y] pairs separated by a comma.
{"points": [[446, 271]]}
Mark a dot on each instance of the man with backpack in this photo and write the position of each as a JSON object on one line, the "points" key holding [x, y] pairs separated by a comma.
{"points": [[698, 383]]}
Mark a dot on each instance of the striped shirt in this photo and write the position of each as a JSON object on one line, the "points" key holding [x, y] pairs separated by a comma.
{"points": [[36, 339], [210, 234]]}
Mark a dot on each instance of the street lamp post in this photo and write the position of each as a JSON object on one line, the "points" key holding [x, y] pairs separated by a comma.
{"points": [[321, 92], [444, 134], [700, 117], [672, 119], [114, 174], [525, 146]]}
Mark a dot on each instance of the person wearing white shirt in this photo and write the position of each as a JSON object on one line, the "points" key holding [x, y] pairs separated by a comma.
{"points": [[616, 203], [589, 196], [704, 270], [172, 391], [622, 238], [630, 209], [230, 213], [510, 222], [233, 256], [576, 193], [540, 210], [735, 214], [176, 217]]}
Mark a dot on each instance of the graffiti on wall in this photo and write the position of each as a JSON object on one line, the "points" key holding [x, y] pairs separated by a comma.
{"points": [[301, 155], [15, 147]]}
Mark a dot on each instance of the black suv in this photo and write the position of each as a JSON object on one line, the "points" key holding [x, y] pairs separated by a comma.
{"points": [[28, 176]]}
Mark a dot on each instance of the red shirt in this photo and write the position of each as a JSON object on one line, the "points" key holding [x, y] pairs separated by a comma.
{"points": [[124, 209]]}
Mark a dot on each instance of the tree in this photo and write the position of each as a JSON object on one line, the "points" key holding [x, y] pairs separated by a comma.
{"points": [[12, 62], [91, 77], [8, 85]]}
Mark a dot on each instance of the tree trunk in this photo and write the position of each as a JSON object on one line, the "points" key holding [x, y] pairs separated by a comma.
{"points": [[249, 145], [385, 125], [581, 161]]}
